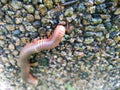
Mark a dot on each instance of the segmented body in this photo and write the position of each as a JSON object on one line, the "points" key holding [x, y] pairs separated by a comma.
{"points": [[35, 46]]}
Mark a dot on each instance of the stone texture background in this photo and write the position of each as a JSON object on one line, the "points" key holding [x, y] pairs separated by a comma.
{"points": [[88, 57]]}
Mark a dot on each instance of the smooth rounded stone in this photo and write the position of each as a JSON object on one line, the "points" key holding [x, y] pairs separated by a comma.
{"points": [[16, 32], [90, 28], [29, 8], [18, 20], [21, 28], [16, 5], [48, 3], [69, 12], [37, 24], [4, 1], [10, 13], [117, 12], [100, 27], [42, 9], [96, 21], [10, 27], [29, 27], [88, 40], [99, 1], [81, 7], [37, 15], [11, 46], [105, 16], [29, 18]]}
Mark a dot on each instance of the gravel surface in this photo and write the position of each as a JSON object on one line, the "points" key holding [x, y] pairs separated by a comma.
{"points": [[88, 57]]}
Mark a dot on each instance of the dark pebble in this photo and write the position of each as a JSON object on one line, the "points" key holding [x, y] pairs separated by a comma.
{"points": [[37, 24]]}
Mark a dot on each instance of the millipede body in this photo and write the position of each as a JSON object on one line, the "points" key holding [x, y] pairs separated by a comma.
{"points": [[35, 46]]}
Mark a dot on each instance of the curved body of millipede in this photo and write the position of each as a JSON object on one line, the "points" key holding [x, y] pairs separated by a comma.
{"points": [[35, 46]]}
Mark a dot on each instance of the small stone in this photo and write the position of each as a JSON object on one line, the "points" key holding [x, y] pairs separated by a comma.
{"points": [[29, 8], [8, 19], [90, 28], [1, 14], [48, 3], [4, 1], [18, 20], [21, 28], [104, 16], [81, 7], [11, 46], [29, 18], [101, 8], [37, 24], [89, 3], [37, 15], [16, 5], [42, 9], [100, 27], [88, 40], [10, 27], [99, 1], [2, 43], [91, 9], [29, 27], [108, 25], [117, 12], [16, 32], [96, 21], [69, 12]]}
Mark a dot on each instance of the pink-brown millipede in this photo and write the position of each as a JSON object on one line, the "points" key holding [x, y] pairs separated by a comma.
{"points": [[35, 46]]}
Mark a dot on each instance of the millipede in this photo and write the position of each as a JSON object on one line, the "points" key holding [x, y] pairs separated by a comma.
{"points": [[36, 46]]}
